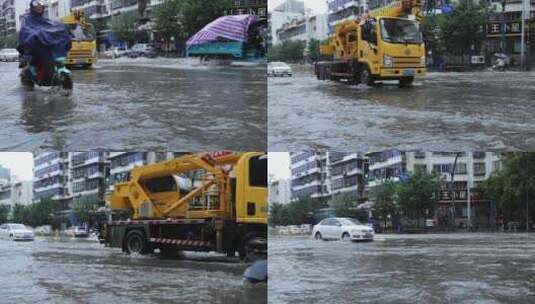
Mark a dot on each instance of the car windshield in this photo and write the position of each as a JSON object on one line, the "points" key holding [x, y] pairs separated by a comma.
{"points": [[279, 64], [17, 226], [400, 31], [349, 221], [10, 51]]}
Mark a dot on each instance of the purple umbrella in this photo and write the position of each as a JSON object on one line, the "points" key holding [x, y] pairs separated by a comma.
{"points": [[228, 27]]}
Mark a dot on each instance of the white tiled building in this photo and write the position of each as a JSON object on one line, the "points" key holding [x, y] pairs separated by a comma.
{"points": [[325, 175], [52, 177], [279, 191]]}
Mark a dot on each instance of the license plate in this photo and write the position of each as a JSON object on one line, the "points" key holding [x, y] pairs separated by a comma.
{"points": [[408, 72], [80, 61], [368, 235]]}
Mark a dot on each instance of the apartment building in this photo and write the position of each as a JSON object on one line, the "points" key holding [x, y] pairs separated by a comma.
{"points": [[325, 175], [89, 171], [282, 14], [471, 168], [121, 163], [304, 29], [52, 177], [11, 12], [279, 191]]}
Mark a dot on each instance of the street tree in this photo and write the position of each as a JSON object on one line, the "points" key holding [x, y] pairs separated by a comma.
{"points": [[417, 196], [41, 213], [296, 212], [385, 201], [344, 204], [84, 209], [4, 212], [168, 23], [196, 14], [124, 26], [288, 51], [19, 211], [9, 41], [513, 187], [463, 31]]}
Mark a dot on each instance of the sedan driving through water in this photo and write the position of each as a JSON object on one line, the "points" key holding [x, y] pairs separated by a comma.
{"points": [[346, 229]]}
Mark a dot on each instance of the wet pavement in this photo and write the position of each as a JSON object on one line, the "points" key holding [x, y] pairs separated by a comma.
{"points": [[442, 111], [139, 104], [448, 268], [80, 271]]}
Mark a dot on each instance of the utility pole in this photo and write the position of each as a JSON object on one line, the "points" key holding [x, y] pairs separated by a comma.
{"points": [[469, 167], [452, 193], [525, 15], [503, 27]]}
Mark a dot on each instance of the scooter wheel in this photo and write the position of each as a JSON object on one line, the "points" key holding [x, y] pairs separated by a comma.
{"points": [[67, 83]]}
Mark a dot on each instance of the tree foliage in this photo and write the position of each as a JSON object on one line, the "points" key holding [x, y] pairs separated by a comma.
{"points": [[288, 51], [460, 31], [419, 194], [124, 26], [513, 185], [196, 14], [385, 201], [167, 20], [36, 214], [344, 205], [294, 213], [4, 212], [9, 41]]}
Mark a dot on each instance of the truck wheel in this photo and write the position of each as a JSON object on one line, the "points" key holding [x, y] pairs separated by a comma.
{"points": [[135, 242], [405, 81], [366, 77]]}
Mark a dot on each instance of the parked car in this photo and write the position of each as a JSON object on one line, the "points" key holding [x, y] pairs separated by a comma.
{"points": [[277, 68], [342, 228], [142, 50], [16, 232], [79, 232], [43, 230], [9, 55], [117, 51]]}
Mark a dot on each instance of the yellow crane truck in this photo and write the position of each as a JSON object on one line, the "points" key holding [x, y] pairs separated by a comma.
{"points": [[384, 45], [83, 52], [198, 202]]}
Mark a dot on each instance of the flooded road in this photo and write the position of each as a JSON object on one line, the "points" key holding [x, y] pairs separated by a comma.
{"points": [[442, 111], [80, 271], [454, 268], [139, 104]]}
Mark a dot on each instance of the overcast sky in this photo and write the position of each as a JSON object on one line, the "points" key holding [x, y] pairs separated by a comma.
{"points": [[317, 6], [279, 165], [20, 163]]}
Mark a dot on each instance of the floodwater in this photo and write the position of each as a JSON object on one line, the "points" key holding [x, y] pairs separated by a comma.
{"points": [[447, 268], [441, 111], [80, 271], [139, 104]]}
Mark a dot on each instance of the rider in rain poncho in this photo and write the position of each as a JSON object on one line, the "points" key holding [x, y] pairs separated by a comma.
{"points": [[42, 39]]}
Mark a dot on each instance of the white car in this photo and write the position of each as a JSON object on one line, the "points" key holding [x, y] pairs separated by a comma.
{"points": [[276, 69], [16, 232], [336, 228], [116, 52], [79, 232], [9, 55]]}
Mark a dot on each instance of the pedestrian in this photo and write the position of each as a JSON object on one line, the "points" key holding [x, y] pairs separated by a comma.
{"points": [[499, 222]]}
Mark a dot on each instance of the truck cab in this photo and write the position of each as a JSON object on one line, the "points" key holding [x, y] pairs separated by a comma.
{"points": [[392, 48]]}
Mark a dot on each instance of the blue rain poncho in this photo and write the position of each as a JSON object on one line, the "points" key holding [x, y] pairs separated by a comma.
{"points": [[46, 39]]}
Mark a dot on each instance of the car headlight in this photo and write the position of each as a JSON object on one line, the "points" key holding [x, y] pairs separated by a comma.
{"points": [[387, 61], [422, 60]]}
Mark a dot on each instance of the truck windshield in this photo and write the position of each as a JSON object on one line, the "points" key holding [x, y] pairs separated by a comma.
{"points": [[80, 33], [400, 31]]}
